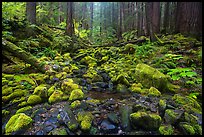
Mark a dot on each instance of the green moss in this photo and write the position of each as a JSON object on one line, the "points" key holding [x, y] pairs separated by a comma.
{"points": [[86, 119], [7, 91], [22, 110], [68, 86], [56, 96], [39, 78], [24, 77], [66, 56], [76, 94], [15, 94], [8, 76], [19, 100], [59, 131], [4, 82], [11, 83], [75, 104], [61, 75], [5, 112], [166, 130], [198, 129], [66, 69], [149, 76], [121, 79], [92, 75], [187, 102], [188, 129], [121, 88], [34, 99], [41, 91], [72, 127], [17, 122], [154, 92], [51, 90], [162, 103], [93, 101], [88, 60], [146, 121], [22, 104], [190, 118]]}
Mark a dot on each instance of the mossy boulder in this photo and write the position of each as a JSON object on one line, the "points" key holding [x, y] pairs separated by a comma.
{"points": [[122, 80], [22, 110], [173, 116], [75, 104], [85, 119], [34, 99], [4, 82], [151, 77], [66, 57], [154, 92], [188, 103], [136, 88], [7, 91], [68, 85], [51, 90], [93, 102], [186, 128], [58, 131], [56, 96], [41, 91], [162, 107], [76, 94], [146, 121], [8, 76], [92, 76], [61, 75], [166, 130], [15, 94], [88, 60], [39, 77], [17, 122], [129, 48]]}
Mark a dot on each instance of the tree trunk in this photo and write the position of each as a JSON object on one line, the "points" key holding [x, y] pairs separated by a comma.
{"points": [[31, 12], [91, 22], [84, 10], [60, 19], [156, 17], [70, 25], [24, 55], [166, 17]]}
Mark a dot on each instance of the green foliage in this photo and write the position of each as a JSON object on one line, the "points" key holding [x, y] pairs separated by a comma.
{"points": [[129, 35], [194, 95], [178, 73], [144, 51]]}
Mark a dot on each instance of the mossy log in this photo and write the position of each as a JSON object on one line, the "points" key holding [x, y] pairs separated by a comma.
{"points": [[21, 54]]}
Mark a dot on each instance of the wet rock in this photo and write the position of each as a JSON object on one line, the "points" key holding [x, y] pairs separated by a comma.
{"points": [[101, 84], [153, 107], [112, 117], [146, 121], [162, 107], [173, 116], [41, 132], [125, 111], [48, 128], [107, 126]]}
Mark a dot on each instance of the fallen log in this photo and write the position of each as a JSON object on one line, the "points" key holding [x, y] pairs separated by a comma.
{"points": [[21, 54]]}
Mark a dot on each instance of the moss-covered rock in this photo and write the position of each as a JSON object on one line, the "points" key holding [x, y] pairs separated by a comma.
{"points": [[76, 94], [34, 99], [61, 75], [4, 82], [136, 87], [166, 130], [85, 119], [129, 48], [22, 110], [23, 78], [58, 131], [88, 60], [5, 112], [162, 107], [15, 94], [68, 85], [7, 91], [198, 129], [51, 90], [146, 121], [92, 76], [39, 77], [66, 69], [75, 104], [186, 128], [122, 80], [151, 77], [93, 101], [154, 92], [172, 116], [41, 91], [66, 57], [8, 76], [188, 103], [190, 118], [56, 96], [17, 122]]}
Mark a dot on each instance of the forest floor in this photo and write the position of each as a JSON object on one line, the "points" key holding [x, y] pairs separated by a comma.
{"points": [[114, 99]]}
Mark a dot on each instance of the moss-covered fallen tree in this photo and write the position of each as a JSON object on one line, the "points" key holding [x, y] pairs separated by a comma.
{"points": [[21, 54]]}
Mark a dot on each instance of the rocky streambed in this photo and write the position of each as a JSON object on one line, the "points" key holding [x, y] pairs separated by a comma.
{"points": [[98, 91]]}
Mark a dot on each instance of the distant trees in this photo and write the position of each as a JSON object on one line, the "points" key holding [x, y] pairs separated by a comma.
{"points": [[148, 18], [31, 12]]}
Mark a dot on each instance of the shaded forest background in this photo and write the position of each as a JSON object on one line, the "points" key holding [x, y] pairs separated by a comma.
{"points": [[106, 22]]}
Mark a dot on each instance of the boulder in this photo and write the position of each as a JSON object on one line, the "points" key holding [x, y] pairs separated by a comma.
{"points": [[85, 119], [76, 94], [17, 122], [146, 121], [186, 128], [166, 130], [41, 91], [151, 77], [34, 99], [173, 116]]}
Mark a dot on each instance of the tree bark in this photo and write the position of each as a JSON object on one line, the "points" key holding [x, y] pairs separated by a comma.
{"points": [[21, 54], [31, 12], [166, 17], [91, 22], [70, 24]]}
